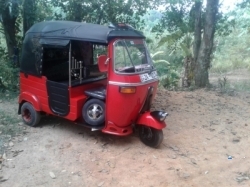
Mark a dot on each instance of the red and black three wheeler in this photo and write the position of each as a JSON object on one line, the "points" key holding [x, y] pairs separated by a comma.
{"points": [[98, 76]]}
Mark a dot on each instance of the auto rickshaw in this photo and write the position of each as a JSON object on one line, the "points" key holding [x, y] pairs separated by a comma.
{"points": [[98, 76]]}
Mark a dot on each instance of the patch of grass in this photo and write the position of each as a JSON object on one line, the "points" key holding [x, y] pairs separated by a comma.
{"points": [[8, 128], [232, 52], [224, 66], [223, 83], [231, 87], [8, 95], [6, 118], [9, 75], [243, 85], [9, 119], [236, 80]]}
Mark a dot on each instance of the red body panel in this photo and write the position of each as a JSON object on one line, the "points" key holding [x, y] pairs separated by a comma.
{"points": [[123, 110], [78, 98], [33, 89]]}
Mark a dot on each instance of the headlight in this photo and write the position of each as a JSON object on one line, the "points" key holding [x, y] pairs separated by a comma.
{"points": [[159, 115]]}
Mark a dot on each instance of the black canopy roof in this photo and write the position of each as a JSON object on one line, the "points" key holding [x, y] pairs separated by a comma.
{"points": [[60, 33], [51, 32]]}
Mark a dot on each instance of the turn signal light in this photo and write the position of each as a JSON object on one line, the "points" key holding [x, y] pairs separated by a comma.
{"points": [[127, 90]]}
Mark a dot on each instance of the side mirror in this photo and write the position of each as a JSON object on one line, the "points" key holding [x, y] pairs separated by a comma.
{"points": [[103, 63]]}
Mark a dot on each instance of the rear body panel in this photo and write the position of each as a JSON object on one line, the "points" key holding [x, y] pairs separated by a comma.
{"points": [[34, 90]]}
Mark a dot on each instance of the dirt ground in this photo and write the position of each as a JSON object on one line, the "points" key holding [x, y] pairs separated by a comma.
{"points": [[206, 143]]}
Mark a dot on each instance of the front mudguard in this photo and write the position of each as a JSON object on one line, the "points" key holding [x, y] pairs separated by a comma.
{"points": [[148, 120]]}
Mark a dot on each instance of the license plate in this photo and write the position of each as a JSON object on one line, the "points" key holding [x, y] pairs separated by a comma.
{"points": [[146, 76]]}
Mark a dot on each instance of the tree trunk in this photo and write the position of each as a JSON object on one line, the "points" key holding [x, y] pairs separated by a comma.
{"points": [[197, 29], [188, 76], [205, 51], [8, 23], [29, 16], [189, 61]]}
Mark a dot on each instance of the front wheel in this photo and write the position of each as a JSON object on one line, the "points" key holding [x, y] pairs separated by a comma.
{"points": [[150, 136], [94, 112]]}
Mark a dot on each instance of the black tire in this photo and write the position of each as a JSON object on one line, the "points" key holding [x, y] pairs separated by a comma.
{"points": [[29, 115], [93, 112], [150, 136]]}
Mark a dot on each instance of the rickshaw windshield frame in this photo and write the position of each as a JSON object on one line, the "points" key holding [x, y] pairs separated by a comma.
{"points": [[131, 56]]}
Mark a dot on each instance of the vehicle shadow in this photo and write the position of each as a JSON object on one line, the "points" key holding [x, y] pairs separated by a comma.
{"points": [[60, 124]]}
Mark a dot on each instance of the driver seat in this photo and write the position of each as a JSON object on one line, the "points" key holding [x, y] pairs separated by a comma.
{"points": [[98, 93]]}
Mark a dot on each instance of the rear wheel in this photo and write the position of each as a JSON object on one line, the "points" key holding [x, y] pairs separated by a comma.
{"points": [[150, 136], [29, 115]]}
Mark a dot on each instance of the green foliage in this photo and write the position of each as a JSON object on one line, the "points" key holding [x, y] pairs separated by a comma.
{"points": [[3, 53], [177, 17], [167, 62], [178, 41], [8, 76], [102, 11], [176, 30], [225, 25], [244, 4], [159, 60], [35, 11], [170, 80], [232, 51], [151, 19], [44, 11], [168, 74], [232, 54]]}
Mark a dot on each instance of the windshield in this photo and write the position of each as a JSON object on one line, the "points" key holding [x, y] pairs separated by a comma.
{"points": [[131, 56]]}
